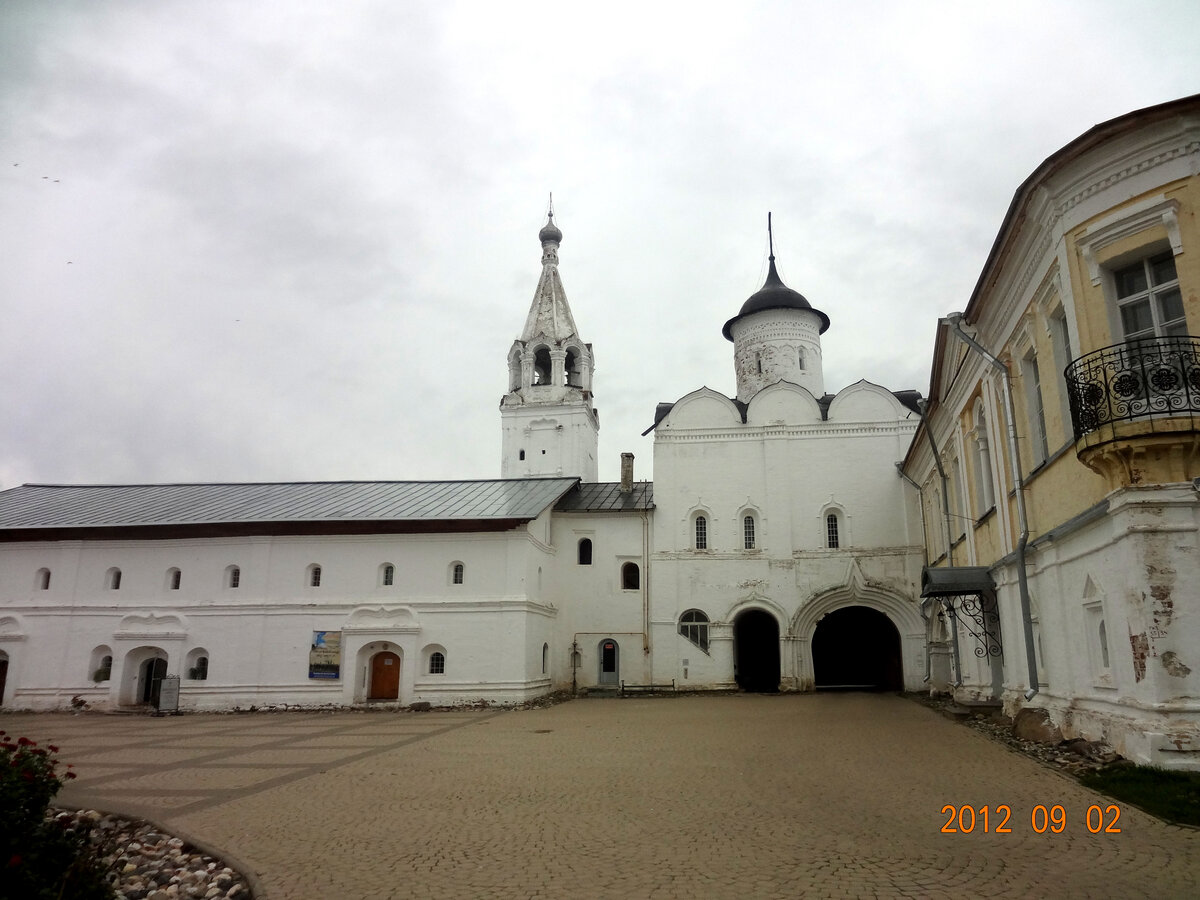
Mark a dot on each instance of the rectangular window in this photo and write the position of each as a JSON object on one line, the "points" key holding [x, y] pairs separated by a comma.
{"points": [[1060, 340], [1038, 446], [748, 532], [1149, 299], [701, 533], [831, 531]]}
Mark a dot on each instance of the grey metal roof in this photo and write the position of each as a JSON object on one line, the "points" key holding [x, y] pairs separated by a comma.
{"points": [[81, 506], [606, 496], [953, 580]]}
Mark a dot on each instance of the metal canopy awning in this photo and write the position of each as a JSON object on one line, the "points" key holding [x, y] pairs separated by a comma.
{"points": [[952, 581], [968, 594]]}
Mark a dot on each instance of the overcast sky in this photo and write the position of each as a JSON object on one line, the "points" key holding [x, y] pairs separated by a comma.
{"points": [[295, 241]]}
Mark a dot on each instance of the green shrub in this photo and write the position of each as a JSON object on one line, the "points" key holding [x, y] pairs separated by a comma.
{"points": [[1170, 795], [41, 858]]}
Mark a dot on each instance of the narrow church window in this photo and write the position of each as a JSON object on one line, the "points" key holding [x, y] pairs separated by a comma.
{"points": [[458, 573], [104, 672], [314, 576], [693, 625], [43, 579], [631, 577], [1103, 645], [585, 552], [175, 578], [389, 575], [545, 657], [521, 454], [800, 359], [437, 664], [701, 533], [113, 579], [233, 577], [758, 362], [831, 531], [748, 532], [199, 672]]}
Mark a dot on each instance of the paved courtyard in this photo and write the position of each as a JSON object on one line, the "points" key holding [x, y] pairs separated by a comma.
{"points": [[697, 796]]}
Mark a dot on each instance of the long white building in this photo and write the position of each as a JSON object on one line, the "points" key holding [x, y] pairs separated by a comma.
{"points": [[777, 550]]}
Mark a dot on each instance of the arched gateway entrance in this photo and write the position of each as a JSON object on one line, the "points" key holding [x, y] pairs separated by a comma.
{"points": [[857, 648], [756, 651]]}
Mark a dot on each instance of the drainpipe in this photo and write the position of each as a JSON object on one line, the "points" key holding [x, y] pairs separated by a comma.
{"points": [[954, 320], [925, 554], [937, 461]]}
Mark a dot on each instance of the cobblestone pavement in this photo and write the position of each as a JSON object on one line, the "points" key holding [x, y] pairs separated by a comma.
{"points": [[811, 795]]}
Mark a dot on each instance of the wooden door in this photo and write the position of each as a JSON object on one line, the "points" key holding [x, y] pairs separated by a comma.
{"points": [[385, 676]]}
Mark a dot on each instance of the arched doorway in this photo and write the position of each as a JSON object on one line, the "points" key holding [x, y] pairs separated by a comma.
{"points": [[857, 648], [150, 678], [756, 651], [610, 661], [385, 676]]}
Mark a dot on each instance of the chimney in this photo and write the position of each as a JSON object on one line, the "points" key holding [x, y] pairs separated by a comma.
{"points": [[626, 473]]}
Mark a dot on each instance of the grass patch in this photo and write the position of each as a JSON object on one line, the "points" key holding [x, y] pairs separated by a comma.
{"points": [[1174, 796]]}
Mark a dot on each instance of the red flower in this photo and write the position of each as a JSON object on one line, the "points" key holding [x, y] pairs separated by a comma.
{"points": [[24, 742], [71, 775], [53, 749]]}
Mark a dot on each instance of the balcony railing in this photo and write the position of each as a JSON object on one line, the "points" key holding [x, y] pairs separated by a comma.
{"points": [[1146, 380]]}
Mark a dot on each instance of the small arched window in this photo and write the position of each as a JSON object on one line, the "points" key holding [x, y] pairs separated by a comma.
{"points": [[585, 552], [701, 533], [112, 579], [542, 367], [631, 577], [693, 625], [233, 576], [42, 580], [104, 670], [174, 579], [1103, 645], [314, 575], [545, 657], [748, 532], [458, 573], [199, 671], [832, 538], [388, 577], [521, 455], [437, 663]]}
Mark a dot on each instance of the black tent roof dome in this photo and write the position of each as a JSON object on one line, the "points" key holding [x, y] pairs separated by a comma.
{"points": [[774, 294], [550, 231]]}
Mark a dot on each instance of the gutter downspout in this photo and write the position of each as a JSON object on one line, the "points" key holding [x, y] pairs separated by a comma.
{"points": [[954, 320], [937, 461], [925, 554]]}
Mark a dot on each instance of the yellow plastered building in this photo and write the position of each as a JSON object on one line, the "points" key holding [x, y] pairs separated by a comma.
{"points": [[1058, 462]]}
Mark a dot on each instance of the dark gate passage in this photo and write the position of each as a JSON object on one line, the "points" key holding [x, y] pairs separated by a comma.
{"points": [[857, 648], [756, 648]]}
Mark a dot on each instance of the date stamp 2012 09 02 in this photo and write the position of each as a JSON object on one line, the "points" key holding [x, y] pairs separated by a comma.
{"points": [[999, 819]]}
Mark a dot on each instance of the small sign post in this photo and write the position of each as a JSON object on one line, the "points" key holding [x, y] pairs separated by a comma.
{"points": [[168, 696]]}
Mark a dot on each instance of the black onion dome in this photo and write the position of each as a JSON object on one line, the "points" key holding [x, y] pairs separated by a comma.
{"points": [[550, 231], [774, 294]]}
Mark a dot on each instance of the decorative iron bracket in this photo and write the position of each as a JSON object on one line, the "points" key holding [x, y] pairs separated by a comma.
{"points": [[980, 617]]}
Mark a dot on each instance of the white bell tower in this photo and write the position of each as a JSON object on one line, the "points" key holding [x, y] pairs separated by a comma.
{"points": [[548, 422]]}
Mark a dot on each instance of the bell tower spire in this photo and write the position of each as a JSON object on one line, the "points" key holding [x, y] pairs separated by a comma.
{"points": [[549, 425]]}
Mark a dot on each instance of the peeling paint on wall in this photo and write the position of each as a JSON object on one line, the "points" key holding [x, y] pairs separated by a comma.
{"points": [[1174, 665], [1141, 649]]}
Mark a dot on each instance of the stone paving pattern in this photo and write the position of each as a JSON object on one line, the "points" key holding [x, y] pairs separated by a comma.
{"points": [[812, 795]]}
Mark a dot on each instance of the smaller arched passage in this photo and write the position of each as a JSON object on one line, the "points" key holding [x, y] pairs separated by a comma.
{"points": [[756, 651], [857, 648], [142, 673]]}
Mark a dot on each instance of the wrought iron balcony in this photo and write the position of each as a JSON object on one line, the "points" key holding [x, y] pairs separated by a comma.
{"points": [[1155, 381]]}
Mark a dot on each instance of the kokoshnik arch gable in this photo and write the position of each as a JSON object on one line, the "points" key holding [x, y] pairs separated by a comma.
{"points": [[778, 548]]}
